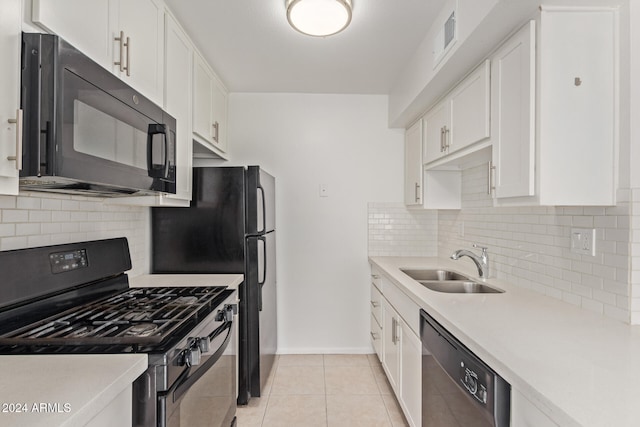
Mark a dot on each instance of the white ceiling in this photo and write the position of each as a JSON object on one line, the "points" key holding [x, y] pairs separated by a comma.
{"points": [[252, 48]]}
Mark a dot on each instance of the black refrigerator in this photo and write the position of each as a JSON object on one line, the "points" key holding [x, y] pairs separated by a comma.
{"points": [[229, 228]]}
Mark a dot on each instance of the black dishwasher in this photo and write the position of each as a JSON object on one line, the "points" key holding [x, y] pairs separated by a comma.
{"points": [[458, 389]]}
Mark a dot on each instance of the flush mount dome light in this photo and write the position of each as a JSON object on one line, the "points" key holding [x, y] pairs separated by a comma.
{"points": [[319, 18]]}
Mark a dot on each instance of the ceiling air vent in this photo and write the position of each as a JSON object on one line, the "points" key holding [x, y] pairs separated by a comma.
{"points": [[445, 38]]}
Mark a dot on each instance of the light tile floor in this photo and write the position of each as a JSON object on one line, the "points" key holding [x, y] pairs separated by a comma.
{"points": [[324, 391]]}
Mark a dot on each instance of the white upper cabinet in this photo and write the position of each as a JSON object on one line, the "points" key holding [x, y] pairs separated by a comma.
{"points": [[513, 113], [178, 74], [564, 154], [461, 119], [470, 113], [209, 111], [10, 116], [413, 165], [126, 37], [437, 129]]}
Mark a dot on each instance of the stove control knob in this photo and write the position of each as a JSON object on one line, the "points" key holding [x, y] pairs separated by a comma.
{"points": [[204, 344], [192, 357]]}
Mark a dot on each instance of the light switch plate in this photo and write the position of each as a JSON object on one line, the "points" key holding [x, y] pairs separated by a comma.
{"points": [[583, 241]]}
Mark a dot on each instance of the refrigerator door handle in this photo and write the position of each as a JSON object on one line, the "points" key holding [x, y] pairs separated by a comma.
{"points": [[264, 210], [264, 271]]}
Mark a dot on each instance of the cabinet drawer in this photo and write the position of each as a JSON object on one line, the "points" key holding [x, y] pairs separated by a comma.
{"points": [[376, 336], [376, 304], [376, 279], [406, 308]]}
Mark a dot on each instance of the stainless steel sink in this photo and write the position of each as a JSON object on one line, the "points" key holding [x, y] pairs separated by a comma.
{"points": [[459, 287], [449, 282], [439, 275]]}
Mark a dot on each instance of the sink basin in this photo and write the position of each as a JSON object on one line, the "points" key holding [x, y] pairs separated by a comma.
{"points": [[459, 287], [439, 275], [449, 282]]}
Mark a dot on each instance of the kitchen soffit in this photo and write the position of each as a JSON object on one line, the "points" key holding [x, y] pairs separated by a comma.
{"points": [[253, 48]]}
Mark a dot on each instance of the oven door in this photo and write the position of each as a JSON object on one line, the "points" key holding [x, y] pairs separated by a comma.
{"points": [[205, 393]]}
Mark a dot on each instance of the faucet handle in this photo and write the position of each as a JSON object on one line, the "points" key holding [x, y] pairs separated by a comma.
{"points": [[482, 248]]}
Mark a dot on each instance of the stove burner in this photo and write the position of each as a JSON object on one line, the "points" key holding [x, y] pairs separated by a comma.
{"points": [[140, 316], [187, 300], [81, 332], [141, 330]]}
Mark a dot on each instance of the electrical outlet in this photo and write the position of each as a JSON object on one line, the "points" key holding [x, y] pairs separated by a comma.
{"points": [[461, 229], [324, 190], [583, 241]]}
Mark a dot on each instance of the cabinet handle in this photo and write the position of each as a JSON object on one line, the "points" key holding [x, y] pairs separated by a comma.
{"points": [[375, 276], [374, 336], [128, 46], [393, 330], [124, 44], [490, 184], [18, 123], [216, 130], [441, 140], [120, 63], [417, 192], [446, 138]]}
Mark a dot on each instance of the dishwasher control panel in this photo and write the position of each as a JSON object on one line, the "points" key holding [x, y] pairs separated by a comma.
{"points": [[473, 383]]}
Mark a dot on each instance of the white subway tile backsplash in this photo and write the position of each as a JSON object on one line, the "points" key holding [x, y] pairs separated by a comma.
{"points": [[39, 219], [530, 246]]}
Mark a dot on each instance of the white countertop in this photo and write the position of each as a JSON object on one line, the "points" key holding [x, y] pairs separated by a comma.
{"points": [[578, 367], [75, 387], [149, 280]]}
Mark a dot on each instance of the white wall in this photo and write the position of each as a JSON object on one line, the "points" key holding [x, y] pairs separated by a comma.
{"points": [[304, 141]]}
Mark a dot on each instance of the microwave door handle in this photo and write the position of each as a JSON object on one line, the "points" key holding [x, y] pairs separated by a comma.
{"points": [[153, 171]]}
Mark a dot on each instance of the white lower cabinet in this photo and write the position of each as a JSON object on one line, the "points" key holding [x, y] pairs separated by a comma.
{"points": [[410, 375], [401, 347]]}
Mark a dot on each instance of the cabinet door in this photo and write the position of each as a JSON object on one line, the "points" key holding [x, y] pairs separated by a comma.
{"points": [[411, 375], [10, 21], [142, 21], [202, 106], [178, 74], [470, 110], [513, 112], [437, 128], [87, 25], [578, 106], [219, 115], [413, 165], [390, 344]]}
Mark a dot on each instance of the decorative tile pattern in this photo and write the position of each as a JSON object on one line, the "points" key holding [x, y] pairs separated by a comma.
{"points": [[39, 219], [395, 230], [353, 394], [530, 246]]}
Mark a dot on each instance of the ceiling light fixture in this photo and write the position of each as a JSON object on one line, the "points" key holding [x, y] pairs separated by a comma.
{"points": [[319, 18]]}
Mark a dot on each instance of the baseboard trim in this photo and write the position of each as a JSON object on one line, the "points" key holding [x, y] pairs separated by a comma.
{"points": [[337, 350]]}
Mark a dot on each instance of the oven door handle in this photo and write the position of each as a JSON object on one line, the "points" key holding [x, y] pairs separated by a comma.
{"points": [[184, 381]]}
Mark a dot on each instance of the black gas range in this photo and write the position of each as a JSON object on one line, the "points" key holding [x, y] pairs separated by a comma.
{"points": [[75, 299]]}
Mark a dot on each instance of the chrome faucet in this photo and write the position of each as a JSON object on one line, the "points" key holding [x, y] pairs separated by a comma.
{"points": [[481, 261]]}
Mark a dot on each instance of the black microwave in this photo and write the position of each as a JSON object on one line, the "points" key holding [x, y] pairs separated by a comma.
{"points": [[87, 132]]}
